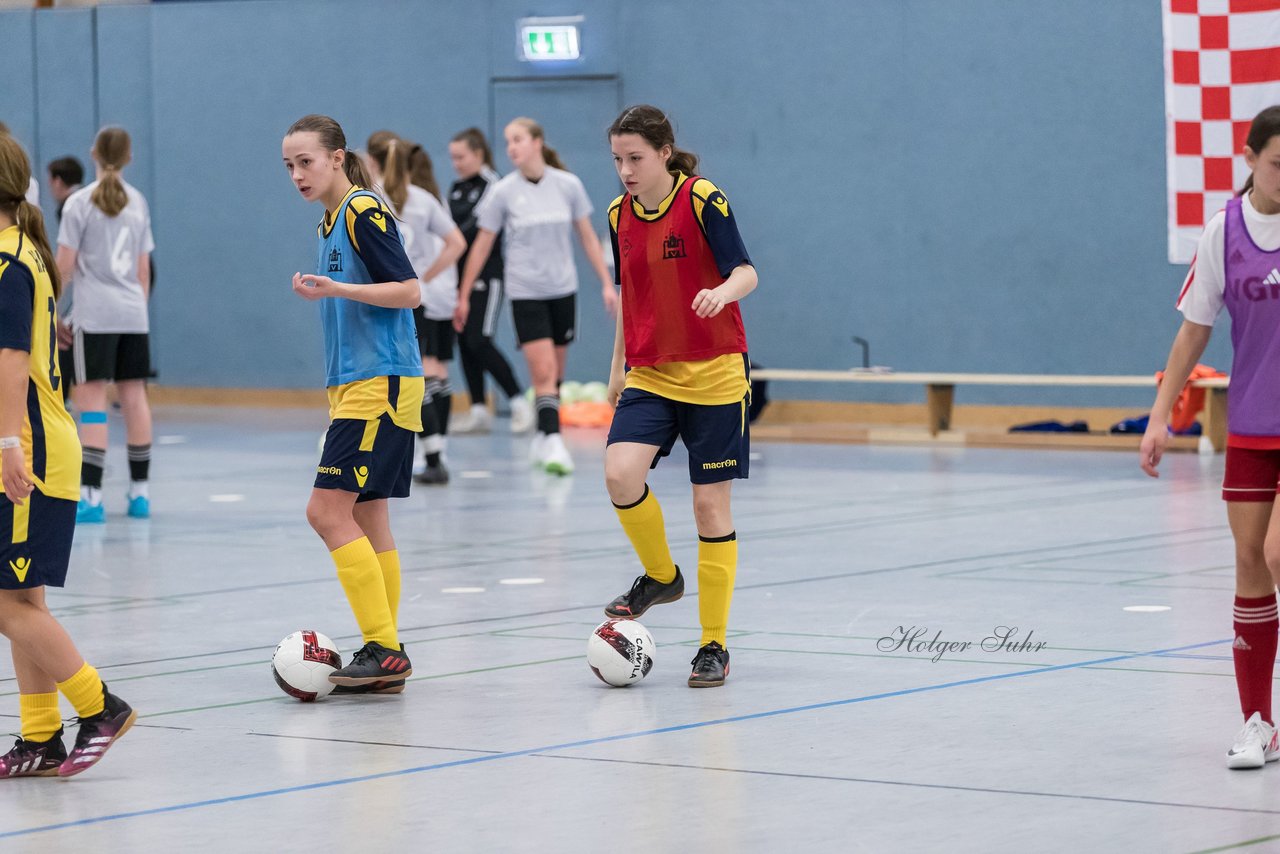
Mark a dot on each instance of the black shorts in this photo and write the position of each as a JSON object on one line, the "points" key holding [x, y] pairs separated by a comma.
{"points": [[42, 528], [717, 437], [112, 356], [545, 318], [373, 459], [435, 337]]}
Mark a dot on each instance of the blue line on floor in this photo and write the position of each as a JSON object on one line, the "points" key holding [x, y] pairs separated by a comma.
{"points": [[570, 745]]}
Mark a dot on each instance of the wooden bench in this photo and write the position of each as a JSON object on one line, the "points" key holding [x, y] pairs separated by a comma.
{"points": [[940, 390]]}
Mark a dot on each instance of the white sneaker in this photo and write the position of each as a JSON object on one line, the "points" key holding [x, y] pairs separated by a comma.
{"points": [[535, 449], [522, 415], [1255, 746], [476, 420], [555, 456]]}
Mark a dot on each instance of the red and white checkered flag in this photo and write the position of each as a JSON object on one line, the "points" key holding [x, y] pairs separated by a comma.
{"points": [[1222, 67]]}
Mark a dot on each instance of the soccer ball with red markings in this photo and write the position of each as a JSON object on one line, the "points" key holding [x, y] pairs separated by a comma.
{"points": [[620, 652], [302, 664]]}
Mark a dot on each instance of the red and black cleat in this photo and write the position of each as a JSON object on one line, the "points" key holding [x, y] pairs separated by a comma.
{"points": [[372, 663]]}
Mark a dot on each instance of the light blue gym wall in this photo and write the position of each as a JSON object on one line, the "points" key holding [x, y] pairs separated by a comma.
{"points": [[972, 186]]}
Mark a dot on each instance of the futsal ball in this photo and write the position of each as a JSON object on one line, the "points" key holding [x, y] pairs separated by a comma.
{"points": [[302, 664], [570, 391], [594, 392], [620, 652]]}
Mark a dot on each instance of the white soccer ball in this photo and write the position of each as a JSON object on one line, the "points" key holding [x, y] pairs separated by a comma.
{"points": [[620, 652], [594, 392], [302, 664], [570, 391]]}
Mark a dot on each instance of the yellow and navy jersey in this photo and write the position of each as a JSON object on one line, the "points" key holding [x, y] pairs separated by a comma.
{"points": [[719, 380], [28, 322], [372, 364], [360, 245]]}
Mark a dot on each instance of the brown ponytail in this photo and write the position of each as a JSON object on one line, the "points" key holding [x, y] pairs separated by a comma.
{"points": [[552, 159], [354, 170], [15, 178], [112, 149], [421, 171], [389, 152], [474, 138], [653, 126], [1265, 125], [549, 155]]}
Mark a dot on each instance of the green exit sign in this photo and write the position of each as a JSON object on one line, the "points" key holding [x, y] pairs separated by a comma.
{"points": [[549, 39]]}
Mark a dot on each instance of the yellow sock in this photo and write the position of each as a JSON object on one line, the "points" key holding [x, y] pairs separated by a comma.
{"points": [[361, 575], [717, 566], [40, 716], [648, 534], [390, 563], [84, 691]]}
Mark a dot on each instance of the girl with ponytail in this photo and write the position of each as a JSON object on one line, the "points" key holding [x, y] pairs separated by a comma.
{"points": [[537, 209], [679, 368], [1235, 267], [434, 245], [39, 485], [104, 254], [367, 288], [473, 162]]}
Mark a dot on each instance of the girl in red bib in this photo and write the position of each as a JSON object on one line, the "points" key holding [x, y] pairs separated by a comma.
{"points": [[679, 369]]}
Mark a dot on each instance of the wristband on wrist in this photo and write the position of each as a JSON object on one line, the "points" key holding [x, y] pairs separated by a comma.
{"points": [[10, 442]]}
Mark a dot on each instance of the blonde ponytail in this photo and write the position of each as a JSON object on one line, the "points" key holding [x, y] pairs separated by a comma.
{"points": [[112, 149]]}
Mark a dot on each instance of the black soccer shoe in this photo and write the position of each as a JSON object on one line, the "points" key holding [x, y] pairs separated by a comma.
{"points": [[391, 686], [372, 663], [645, 592], [710, 667], [433, 475], [98, 733], [34, 758]]}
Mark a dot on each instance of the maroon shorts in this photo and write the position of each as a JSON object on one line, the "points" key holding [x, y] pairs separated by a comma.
{"points": [[1252, 474]]}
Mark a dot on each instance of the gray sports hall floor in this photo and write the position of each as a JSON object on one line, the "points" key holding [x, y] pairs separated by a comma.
{"points": [[1110, 738]]}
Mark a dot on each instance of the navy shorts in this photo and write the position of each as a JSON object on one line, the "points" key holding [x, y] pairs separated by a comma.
{"points": [[435, 337], [717, 437], [371, 458], [35, 541]]}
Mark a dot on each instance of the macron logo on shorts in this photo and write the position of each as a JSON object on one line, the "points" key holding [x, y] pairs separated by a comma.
{"points": [[362, 474], [20, 568]]}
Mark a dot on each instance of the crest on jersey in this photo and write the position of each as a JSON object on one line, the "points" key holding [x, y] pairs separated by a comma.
{"points": [[673, 246]]}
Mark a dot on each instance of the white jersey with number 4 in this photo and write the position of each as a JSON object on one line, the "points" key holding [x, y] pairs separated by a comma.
{"points": [[108, 298]]}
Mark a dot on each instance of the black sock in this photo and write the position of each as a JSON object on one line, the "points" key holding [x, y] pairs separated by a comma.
{"points": [[429, 425], [548, 406], [94, 460], [442, 394], [433, 458], [139, 463]]}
